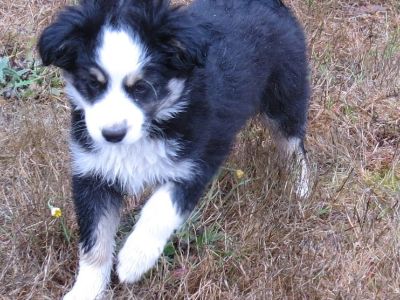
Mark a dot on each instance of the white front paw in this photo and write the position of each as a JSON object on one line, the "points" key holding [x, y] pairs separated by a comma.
{"points": [[138, 255], [82, 294], [71, 295], [90, 283]]}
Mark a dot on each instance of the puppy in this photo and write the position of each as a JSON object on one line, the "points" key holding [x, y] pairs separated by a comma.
{"points": [[158, 94]]}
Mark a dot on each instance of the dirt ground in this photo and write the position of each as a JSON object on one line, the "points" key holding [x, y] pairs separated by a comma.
{"points": [[250, 238]]}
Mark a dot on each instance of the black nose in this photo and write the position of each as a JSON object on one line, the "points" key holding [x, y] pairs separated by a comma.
{"points": [[115, 133]]}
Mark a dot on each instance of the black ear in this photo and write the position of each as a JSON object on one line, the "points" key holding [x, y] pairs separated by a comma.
{"points": [[172, 30], [74, 30], [59, 43], [187, 48], [184, 41]]}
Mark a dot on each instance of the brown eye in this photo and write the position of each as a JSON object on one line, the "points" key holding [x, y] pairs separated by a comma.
{"points": [[94, 83], [140, 88], [96, 79]]}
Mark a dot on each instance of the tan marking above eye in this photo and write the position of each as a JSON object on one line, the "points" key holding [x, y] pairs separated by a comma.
{"points": [[131, 78], [98, 74]]}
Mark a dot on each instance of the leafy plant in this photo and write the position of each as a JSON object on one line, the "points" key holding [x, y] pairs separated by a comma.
{"points": [[13, 80]]}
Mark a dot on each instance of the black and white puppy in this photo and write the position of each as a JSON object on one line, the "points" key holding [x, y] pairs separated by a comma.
{"points": [[158, 94]]}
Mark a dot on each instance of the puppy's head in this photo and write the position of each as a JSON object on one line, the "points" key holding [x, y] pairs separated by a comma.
{"points": [[125, 63]]}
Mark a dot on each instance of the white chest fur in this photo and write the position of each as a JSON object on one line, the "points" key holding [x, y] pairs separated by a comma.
{"points": [[147, 162]]}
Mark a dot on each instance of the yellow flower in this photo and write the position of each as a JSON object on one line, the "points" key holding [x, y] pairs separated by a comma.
{"points": [[56, 212], [239, 174]]}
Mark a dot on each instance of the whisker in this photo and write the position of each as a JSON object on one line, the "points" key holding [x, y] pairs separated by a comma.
{"points": [[152, 87]]}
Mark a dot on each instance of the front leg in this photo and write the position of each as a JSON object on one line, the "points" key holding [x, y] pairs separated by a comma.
{"points": [[163, 213], [97, 207]]}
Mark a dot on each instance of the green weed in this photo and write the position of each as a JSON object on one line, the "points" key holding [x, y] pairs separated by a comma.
{"points": [[16, 81], [384, 179]]}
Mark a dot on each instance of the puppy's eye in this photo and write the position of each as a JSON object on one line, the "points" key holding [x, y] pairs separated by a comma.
{"points": [[93, 83], [95, 79], [140, 88]]}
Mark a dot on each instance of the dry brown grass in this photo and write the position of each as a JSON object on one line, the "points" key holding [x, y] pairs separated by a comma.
{"points": [[250, 238]]}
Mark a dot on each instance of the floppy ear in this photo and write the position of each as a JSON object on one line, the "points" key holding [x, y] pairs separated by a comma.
{"points": [[62, 41], [186, 49], [184, 41], [173, 31], [59, 43]]}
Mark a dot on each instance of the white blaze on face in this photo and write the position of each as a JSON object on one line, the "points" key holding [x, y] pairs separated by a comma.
{"points": [[119, 55]]}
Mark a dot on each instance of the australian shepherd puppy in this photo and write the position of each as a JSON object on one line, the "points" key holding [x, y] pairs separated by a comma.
{"points": [[158, 94]]}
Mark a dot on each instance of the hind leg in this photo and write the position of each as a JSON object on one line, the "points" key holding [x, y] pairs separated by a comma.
{"points": [[289, 147], [285, 114]]}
